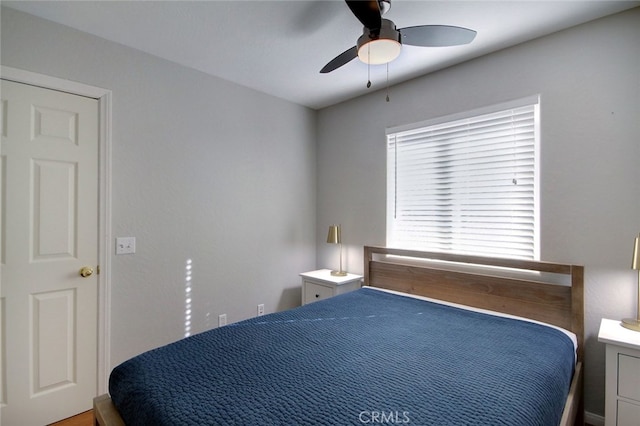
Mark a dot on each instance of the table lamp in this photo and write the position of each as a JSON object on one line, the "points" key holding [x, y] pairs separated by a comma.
{"points": [[634, 323], [335, 237]]}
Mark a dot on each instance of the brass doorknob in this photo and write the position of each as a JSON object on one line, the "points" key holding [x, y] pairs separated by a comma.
{"points": [[86, 271]]}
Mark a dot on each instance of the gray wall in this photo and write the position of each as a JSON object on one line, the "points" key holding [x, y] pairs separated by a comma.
{"points": [[203, 170], [589, 81]]}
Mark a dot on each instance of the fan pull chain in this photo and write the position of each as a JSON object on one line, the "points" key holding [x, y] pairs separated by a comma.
{"points": [[387, 81], [368, 67]]}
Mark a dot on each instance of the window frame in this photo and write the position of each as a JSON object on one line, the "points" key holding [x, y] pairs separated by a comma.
{"points": [[529, 101]]}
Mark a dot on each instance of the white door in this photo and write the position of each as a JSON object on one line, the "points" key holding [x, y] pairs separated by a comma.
{"points": [[49, 225]]}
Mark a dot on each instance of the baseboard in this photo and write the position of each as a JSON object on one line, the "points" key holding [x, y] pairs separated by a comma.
{"points": [[593, 419]]}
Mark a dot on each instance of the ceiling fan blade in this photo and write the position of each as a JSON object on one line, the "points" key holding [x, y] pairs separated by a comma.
{"points": [[340, 60], [436, 35], [367, 12]]}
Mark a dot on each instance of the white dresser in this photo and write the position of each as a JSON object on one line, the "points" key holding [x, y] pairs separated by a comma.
{"points": [[622, 384], [320, 284]]}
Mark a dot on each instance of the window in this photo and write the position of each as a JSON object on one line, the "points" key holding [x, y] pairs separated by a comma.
{"points": [[467, 184]]}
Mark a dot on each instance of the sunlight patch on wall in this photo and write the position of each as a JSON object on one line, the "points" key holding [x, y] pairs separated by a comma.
{"points": [[187, 298]]}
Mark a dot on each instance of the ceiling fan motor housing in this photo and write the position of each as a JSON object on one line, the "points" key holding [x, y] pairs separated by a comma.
{"points": [[379, 47]]}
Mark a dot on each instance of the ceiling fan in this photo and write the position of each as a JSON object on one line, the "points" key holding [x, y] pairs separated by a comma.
{"points": [[381, 41]]}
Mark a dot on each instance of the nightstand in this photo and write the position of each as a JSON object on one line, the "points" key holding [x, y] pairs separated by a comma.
{"points": [[318, 285], [622, 383]]}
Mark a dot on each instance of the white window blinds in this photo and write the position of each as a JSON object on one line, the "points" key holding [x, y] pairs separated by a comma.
{"points": [[466, 185]]}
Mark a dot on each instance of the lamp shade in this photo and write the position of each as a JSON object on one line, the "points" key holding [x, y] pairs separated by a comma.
{"points": [[334, 236], [635, 263]]}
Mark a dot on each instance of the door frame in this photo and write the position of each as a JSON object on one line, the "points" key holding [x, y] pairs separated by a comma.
{"points": [[104, 98]]}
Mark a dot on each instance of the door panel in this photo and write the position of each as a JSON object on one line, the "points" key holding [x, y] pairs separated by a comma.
{"points": [[49, 232], [53, 209], [52, 321]]}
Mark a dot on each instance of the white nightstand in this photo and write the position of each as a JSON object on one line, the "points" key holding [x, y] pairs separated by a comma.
{"points": [[318, 285], [622, 384]]}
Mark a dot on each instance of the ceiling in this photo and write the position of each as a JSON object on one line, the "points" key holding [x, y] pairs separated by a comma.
{"points": [[278, 46]]}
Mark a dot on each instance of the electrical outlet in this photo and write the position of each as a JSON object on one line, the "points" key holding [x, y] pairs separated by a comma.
{"points": [[222, 320], [261, 309]]}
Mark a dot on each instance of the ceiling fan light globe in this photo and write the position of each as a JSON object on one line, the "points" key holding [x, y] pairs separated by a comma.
{"points": [[379, 51]]}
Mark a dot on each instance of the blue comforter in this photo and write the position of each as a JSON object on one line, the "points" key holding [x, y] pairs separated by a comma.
{"points": [[366, 357]]}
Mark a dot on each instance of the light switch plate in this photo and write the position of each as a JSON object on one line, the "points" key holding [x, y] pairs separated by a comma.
{"points": [[125, 245]]}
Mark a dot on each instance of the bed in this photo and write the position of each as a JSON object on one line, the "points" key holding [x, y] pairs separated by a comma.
{"points": [[399, 350]]}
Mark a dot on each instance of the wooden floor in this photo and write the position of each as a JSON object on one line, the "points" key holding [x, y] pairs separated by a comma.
{"points": [[82, 419]]}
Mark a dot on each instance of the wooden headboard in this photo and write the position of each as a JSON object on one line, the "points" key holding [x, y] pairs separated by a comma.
{"points": [[441, 278]]}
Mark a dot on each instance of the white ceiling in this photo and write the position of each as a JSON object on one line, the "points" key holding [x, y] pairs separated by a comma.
{"points": [[278, 46]]}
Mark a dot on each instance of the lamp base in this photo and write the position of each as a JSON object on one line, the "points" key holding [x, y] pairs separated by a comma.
{"points": [[339, 273], [631, 324]]}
